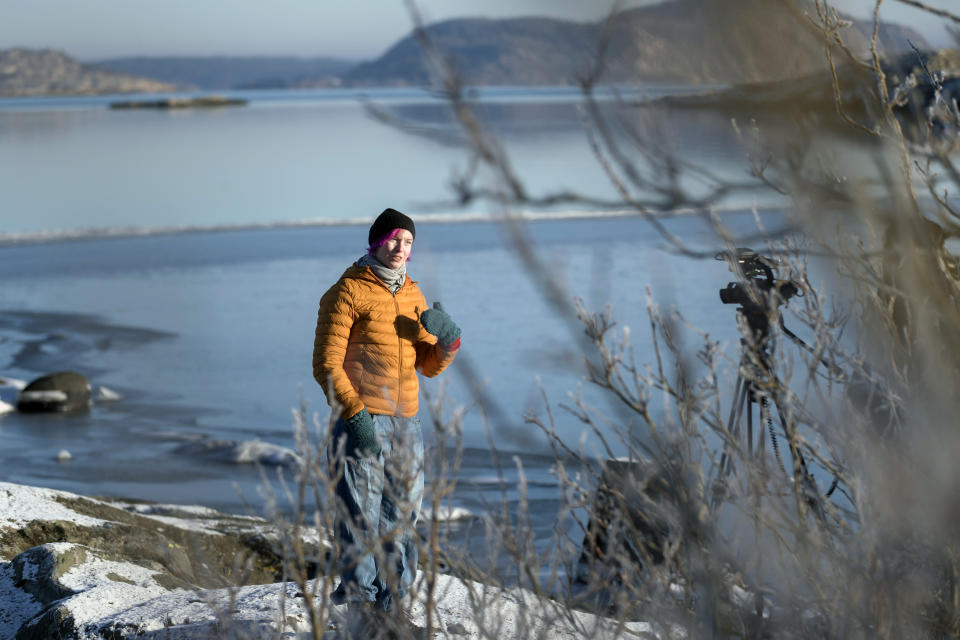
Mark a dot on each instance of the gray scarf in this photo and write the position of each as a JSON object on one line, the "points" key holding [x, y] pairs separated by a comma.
{"points": [[393, 278]]}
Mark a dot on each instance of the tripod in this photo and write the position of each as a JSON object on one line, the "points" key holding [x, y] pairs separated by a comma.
{"points": [[759, 297]]}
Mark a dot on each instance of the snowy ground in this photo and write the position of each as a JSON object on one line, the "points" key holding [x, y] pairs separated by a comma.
{"points": [[75, 590]]}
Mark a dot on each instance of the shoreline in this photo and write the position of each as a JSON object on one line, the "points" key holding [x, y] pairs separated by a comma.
{"points": [[124, 570], [54, 236]]}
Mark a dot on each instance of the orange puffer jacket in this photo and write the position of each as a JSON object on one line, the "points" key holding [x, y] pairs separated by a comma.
{"points": [[369, 345]]}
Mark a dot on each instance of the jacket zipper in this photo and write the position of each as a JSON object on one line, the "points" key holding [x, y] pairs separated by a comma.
{"points": [[396, 306]]}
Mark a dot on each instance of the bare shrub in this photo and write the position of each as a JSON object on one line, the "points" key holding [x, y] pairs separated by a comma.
{"points": [[773, 488], [831, 517]]}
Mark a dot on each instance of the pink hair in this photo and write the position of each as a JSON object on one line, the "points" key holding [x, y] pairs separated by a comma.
{"points": [[372, 249]]}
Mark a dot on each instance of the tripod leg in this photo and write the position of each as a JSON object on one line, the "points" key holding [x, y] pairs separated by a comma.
{"points": [[741, 399], [805, 485], [736, 407]]}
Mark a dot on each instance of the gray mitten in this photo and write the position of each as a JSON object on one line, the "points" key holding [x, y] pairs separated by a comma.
{"points": [[437, 322], [363, 436]]}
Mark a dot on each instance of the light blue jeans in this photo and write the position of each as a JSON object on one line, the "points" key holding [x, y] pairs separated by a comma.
{"points": [[379, 500]]}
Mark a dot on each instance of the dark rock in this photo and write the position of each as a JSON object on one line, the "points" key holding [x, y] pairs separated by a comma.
{"points": [[58, 392], [180, 103], [55, 622], [38, 570], [629, 523]]}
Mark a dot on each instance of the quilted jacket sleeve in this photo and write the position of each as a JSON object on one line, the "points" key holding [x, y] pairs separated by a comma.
{"points": [[335, 319], [432, 359]]}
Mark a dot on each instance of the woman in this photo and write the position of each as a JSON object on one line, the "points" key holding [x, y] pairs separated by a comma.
{"points": [[374, 333]]}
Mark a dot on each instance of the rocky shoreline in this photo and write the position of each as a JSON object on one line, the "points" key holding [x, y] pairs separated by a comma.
{"points": [[44, 72], [75, 567], [71, 566]]}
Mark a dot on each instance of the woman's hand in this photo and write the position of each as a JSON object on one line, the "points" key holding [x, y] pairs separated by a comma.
{"points": [[363, 435], [437, 322]]}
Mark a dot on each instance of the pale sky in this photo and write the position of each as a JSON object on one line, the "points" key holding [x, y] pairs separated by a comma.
{"points": [[357, 29]]}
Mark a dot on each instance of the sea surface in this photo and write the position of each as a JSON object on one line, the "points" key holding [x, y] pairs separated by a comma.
{"points": [[73, 163], [177, 258]]}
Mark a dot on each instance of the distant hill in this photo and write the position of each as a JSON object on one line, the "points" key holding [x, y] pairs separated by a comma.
{"points": [[220, 72], [685, 41], [690, 41], [44, 72], [486, 51]]}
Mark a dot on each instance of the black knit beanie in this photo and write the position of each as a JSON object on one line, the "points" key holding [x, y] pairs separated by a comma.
{"points": [[387, 221]]}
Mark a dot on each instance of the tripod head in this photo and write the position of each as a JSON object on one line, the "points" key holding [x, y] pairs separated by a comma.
{"points": [[759, 292]]}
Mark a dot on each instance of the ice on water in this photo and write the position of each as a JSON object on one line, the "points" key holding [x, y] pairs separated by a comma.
{"points": [[208, 337]]}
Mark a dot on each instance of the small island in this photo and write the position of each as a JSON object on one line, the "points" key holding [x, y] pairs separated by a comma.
{"points": [[180, 103]]}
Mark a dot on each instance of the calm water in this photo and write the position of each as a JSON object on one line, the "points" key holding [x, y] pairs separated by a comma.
{"points": [[208, 336], [73, 163]]}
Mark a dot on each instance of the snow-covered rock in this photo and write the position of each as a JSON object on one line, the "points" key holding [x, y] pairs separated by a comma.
{"points": [[63, 391], [446, 513], [240, 452], [107, 395], [11, 392], [116, 553], [13, 382], [123, 570], [73, 585]]}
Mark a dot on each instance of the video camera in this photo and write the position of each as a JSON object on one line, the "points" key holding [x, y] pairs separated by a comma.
{"points": [[753, 293]]}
